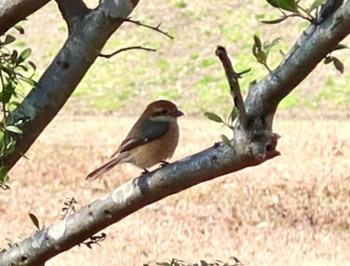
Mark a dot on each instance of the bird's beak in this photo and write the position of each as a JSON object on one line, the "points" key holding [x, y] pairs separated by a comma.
{"points": [[179, 113]]}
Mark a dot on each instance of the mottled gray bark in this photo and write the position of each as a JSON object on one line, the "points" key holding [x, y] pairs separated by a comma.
{"points": [[251, 145], [13, 11], [92, 28]]}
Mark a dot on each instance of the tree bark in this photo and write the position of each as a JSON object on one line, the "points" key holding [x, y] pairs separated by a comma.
{"points": [[251, 145], [13, 11], [92, 28]]}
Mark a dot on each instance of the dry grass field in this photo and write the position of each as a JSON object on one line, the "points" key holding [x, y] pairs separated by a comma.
{"points": [[293, 210]]}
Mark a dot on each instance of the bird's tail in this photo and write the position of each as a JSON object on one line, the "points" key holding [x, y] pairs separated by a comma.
{"points": [[103, 169]]}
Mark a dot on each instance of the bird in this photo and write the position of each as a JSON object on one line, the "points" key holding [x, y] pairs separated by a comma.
{"points": [[152, 140]]}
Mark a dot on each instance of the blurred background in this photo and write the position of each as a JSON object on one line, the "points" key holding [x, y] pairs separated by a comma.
{"points": [[292, 210]]}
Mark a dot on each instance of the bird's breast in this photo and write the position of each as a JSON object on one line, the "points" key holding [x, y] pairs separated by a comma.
{"points": [[151, 153]]}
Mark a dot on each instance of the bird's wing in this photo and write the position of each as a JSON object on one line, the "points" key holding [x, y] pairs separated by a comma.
{"points": [[150, 131]]}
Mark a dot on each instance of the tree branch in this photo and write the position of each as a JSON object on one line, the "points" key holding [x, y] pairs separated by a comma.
{"points": [[11, 12], [156, 28], [64, 74], [313, 45], [127, 49], [250, 146], [235, 89], [130, 197], [72, 12]]}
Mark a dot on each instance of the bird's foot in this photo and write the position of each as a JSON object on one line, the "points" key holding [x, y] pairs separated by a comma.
{"points": [[163, 163], [145, 172]]}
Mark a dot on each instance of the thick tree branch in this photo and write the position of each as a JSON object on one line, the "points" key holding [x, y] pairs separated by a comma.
{"points": [[130, 197], [72, 12], [65, 72], [250, 146], [13, 11]]}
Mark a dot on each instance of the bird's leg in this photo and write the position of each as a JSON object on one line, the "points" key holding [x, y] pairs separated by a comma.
{"points": [[163, 163]]}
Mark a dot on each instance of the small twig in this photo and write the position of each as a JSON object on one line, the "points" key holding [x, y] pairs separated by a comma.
{"points": [[156, 28], [127, 49], [68, 206], [232, 78], [95, 239]]}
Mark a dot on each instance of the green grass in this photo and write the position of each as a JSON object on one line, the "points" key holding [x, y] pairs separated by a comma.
{"points": [[335, 92], [186, 69], [290, 101]]}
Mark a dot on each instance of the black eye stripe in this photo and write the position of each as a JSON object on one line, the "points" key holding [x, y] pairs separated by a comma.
{"points": [[160, 113]]}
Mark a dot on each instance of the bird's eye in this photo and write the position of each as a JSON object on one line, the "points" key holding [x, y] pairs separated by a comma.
{"points": [[161, 112]]}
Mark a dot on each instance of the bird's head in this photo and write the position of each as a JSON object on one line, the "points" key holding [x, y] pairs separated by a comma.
{"points": [[162, 110]]}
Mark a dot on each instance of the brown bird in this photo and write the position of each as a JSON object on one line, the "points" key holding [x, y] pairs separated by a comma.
{"points": [[153, 139]]}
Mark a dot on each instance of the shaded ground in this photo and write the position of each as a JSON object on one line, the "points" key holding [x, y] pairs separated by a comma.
{"points": [[293, 210]]}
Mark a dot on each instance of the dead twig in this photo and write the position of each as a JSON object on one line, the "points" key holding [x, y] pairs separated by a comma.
{"points": [[232, 78], [139, 47], [156, 28], [95, 239], [68, 206]]}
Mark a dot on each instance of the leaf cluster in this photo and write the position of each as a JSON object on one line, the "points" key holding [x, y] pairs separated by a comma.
{"points": [[15, 68], [228, 122], [293, 8], [262, 50]]}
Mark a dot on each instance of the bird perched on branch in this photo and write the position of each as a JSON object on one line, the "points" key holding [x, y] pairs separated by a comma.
{"points": [[152, 139]]}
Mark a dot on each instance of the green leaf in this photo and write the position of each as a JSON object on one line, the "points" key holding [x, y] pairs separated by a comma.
{"points": [[261, 56], [15, 104], [233, 115], [7, 93], [14, 56], [10, 145], [225, 140], [338, 65], [316, 4], [328, 60], [32, 65], [14, 129], [9, 39], [29, 81], [35, 220], [257, 42], [340, 46], [288, 5], [24, 55], [9, 71], [213, 117], [3, 175], [274, 21], [274, 42], [269, 45], [19, 28]]}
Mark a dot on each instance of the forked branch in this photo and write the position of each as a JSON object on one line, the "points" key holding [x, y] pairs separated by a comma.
{"points": [[72, 11], [155, 28], [232, 77]]}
